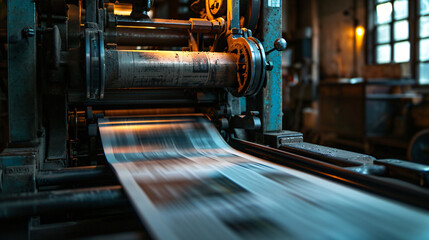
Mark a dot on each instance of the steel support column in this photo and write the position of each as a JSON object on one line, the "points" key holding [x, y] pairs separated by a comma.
{"points": [[272, 94], [21, 39]]}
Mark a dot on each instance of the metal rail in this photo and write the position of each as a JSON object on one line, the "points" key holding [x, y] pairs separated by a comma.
{"points": [[399, 191]]}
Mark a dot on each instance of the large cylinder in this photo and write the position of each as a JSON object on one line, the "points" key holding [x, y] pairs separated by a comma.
{"points": [[140, 69]]}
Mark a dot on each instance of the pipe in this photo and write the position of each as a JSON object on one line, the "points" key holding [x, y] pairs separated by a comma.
{"points": [[32, 204], [151, 37], [131, 36], [146, 111], [75, 175], [140, 69], [193, 24], [148, 98], [156, 22]]}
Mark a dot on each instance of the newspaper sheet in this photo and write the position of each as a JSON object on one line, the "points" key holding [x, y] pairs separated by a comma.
{"points": [[185, 182]]}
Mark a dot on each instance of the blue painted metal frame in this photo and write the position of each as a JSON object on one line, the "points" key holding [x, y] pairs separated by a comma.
{"points": [[272, 96], [21, 38]]}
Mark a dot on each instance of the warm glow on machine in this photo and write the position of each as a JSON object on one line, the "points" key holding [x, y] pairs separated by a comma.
{"points": [[123, 9]]}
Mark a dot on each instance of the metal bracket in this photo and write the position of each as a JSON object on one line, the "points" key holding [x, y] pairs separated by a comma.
{"points": [[276, 139], [18, 168], [94, 63]]}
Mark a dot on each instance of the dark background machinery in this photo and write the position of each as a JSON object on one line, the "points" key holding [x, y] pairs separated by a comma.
{"points": [[70, 63]]}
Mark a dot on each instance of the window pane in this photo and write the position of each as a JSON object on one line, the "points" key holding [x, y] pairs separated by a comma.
{"points": [[383, 34], [424, 73], [401, 30], [402, 52], [424, 27], [380, 1], [424, 50], [401, 9], [383, 54], [424, 7], [384, 13]]}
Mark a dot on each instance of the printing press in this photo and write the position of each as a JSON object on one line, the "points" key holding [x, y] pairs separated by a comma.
{"points": [[107, 102]]}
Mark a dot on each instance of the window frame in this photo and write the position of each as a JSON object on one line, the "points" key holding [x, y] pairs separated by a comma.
{"points": [[373, 6], [413, 37], [418, 40]]}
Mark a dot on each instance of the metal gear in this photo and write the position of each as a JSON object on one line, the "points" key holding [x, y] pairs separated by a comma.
{"points": [[250, 66]]}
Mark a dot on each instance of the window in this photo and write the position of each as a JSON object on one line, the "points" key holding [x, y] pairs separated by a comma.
{"points": [[423, 38], [392, 43], [394, 40]]}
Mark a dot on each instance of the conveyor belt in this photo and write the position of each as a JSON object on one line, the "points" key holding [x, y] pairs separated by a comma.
{"points": [[185, 182]]}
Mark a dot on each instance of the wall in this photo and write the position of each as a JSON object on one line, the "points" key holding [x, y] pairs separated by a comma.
{"points": [[336, 33], [302, 33]]}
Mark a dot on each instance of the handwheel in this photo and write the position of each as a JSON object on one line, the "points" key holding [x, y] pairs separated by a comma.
{"points": [[418, 150]]}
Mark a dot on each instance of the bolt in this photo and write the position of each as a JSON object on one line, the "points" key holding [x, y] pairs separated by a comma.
{"points": [[29, 32], [269, 66]]}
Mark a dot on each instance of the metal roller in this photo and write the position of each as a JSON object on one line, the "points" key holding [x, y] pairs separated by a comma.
{"points": [[140, 69], [147, 37], [165, 23], [193, 24]]}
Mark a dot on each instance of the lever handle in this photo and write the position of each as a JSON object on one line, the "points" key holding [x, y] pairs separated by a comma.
{"points": [[280, 45]]}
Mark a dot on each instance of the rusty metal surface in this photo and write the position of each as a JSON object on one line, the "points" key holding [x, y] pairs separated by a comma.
{"points": [[139, 69]]}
